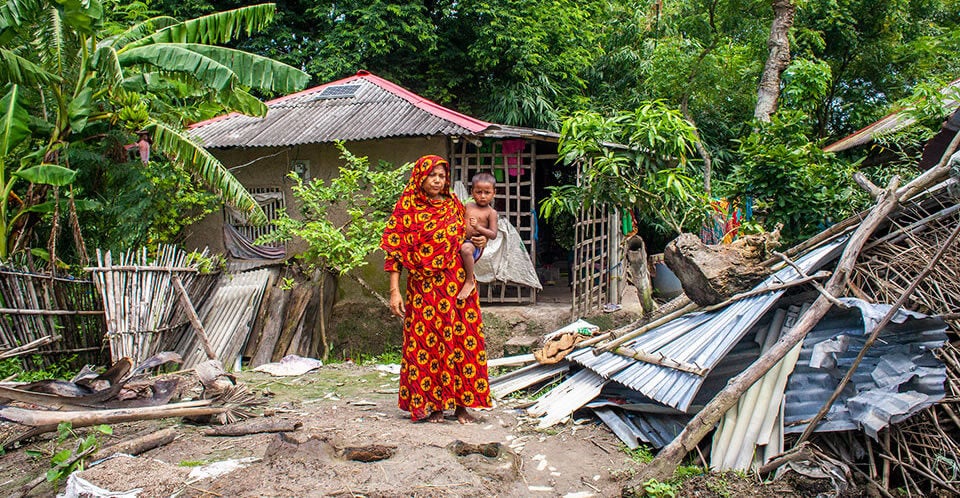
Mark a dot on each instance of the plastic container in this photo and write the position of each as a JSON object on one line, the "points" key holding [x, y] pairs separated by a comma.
{"points": [[665, 282]]}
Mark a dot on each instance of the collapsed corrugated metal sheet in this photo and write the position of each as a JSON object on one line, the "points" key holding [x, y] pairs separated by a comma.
{"points": [[898, 377], [701, 339], [657, 430], [567, 397], [227, 317], [756, 420], [525, 377]]}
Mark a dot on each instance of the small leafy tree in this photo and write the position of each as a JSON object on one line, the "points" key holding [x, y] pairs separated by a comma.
{"points": [[637, 160], [342, 221], [791, 180]]}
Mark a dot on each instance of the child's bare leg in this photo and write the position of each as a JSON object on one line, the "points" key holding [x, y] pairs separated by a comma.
{"points": [[466, 253], [463, 416]]}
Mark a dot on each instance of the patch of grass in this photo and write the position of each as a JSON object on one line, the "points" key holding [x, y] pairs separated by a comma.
{"points": [[642, 455], [193, 463], [62, 369], [659, 489], [393, 354]]}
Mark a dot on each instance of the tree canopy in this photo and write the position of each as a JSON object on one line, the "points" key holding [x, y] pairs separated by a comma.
{"points": [[517, 62]]}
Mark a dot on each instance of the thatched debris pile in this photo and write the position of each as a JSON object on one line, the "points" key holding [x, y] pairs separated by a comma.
{"points": [[848, 344]]}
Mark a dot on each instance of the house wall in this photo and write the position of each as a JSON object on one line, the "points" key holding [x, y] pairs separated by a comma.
{"points": [[269, 166]]}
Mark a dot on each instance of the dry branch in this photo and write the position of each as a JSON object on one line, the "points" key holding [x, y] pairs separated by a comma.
{"points": [[140, 444]]}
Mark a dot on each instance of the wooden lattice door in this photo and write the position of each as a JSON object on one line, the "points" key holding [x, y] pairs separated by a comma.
{"points": [[513, 167]]}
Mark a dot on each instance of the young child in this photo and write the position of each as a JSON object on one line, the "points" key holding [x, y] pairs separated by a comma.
{"points": [[481, 219]]}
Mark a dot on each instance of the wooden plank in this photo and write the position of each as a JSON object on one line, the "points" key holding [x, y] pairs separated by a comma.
{"points": [[292, 319], [275, 304]]}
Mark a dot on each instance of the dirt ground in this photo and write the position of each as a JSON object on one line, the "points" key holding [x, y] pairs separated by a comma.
{"points": [[346, 409], [343, 407]]}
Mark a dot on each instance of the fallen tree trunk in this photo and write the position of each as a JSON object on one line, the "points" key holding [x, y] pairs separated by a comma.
{"points": [[663, 466], [85, 418], [254, 426]]}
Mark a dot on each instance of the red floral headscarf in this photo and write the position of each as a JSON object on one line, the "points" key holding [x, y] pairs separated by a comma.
{"points": [[424, 235]]}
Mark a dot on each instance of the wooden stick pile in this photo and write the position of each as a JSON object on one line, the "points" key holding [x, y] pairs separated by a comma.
{"points": [[887, 265]]}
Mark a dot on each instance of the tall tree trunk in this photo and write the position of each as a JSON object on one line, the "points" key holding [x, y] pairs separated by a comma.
{"points": [[777, 60]]}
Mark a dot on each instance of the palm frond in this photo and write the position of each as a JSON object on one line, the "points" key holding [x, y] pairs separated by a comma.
{"points": [[52, 49], [174, 57], [16, 69], [13, 12], [194, 158], [220, 27], [255, 71], [242, 102], [13, 121]]}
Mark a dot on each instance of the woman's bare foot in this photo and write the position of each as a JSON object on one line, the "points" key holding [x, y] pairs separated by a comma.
{"points": [[468, 287], [435, 417], [463, 416]]}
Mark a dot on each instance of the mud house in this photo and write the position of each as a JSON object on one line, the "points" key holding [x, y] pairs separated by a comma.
{"points": [[385, 122]]}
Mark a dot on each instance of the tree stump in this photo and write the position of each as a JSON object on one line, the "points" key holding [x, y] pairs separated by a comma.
{"points": [[710, 274]]}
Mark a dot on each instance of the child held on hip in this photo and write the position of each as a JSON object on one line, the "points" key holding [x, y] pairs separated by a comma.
{"points": [[481, 219]]}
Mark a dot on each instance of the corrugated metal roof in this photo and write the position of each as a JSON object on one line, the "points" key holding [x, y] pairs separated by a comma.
{"points": [[898, 377], [374, 108], [701, 339], [891, 122]]}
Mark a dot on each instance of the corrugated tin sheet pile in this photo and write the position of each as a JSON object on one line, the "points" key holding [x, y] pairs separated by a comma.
{"points": [[648, 388]]}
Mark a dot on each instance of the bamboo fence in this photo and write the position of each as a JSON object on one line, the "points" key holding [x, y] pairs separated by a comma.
{"points": [[141, 306], [59, 316]]}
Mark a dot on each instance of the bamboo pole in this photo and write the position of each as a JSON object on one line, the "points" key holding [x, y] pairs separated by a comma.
{"points": [[194, 319]]}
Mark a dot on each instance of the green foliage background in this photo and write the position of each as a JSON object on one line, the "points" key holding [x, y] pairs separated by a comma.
{"points": [[541, 64]]}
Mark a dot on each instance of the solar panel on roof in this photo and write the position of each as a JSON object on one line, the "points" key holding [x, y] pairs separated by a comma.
{"points": [[338, 92]]}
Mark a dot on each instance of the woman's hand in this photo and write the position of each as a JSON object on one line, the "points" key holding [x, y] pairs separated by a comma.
{"points": [[396, 299], [396, 303], [479, 241]]}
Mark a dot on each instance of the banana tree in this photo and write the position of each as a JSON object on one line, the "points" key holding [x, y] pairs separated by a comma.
{"points": [[66, 79]]}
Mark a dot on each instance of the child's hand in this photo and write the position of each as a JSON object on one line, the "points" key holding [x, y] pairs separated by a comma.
{"points": [[473, 221]]}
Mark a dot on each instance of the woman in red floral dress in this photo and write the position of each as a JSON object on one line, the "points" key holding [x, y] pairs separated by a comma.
{"points": [[444, 364]]}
